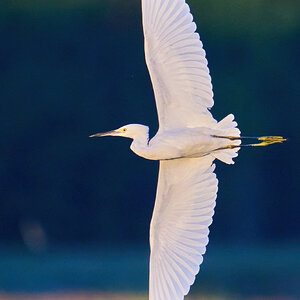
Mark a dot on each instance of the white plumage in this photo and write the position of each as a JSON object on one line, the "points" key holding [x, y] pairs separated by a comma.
{"points": [[184, 207], [186, 144], [177, 65]]}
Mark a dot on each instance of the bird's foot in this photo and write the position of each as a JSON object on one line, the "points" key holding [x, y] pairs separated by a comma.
{"points": [[268, 140], [265, 141]]}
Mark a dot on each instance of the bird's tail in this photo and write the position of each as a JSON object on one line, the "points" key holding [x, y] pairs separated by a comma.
{"points": [[228, 128]]}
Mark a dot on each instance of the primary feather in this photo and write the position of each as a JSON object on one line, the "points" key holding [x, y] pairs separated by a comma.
{"points": [[184, 207], [177, 65]]}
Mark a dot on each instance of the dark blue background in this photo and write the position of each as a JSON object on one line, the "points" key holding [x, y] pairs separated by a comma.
{"points": [[72, 68]]}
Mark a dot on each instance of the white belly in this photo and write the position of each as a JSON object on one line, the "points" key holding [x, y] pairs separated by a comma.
{"points": [[189, 142]]}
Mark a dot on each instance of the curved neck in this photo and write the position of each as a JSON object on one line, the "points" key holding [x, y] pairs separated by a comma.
{"points": [[141, 140], [139, 144]]}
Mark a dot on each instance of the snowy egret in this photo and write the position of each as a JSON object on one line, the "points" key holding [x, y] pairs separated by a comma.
{"points": [[189, 139]]}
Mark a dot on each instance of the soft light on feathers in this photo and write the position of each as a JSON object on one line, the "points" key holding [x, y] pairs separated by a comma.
{"points": [[186, 144]]}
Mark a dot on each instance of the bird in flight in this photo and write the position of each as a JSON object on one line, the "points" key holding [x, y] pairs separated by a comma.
{"points": [[187, 142]]}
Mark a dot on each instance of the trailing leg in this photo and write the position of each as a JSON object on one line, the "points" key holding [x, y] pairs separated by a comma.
{"points": [[265, 141]]}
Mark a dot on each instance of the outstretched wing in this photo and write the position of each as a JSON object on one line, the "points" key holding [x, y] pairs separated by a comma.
{"points": [[184, 207], [177, 65]]}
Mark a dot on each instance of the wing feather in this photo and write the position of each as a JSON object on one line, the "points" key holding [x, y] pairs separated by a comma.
{"points": [[184, 207], [177, 65]]}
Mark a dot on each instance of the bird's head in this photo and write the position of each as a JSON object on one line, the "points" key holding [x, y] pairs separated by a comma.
{"points": [[130, 131]]}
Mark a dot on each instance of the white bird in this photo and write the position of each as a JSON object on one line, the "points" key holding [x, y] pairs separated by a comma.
{"points": [[189, 139]]}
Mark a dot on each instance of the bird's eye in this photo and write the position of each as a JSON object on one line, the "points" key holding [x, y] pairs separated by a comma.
{"points": [[124, 129]]}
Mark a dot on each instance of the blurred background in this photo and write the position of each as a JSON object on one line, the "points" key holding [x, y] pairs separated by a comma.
{"points": [[75, 212]]}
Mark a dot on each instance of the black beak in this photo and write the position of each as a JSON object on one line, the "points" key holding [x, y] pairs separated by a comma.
{"points": [[112, 132]]}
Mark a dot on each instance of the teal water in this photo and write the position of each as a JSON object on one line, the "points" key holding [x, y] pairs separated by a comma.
{"points": [[226, 270]]}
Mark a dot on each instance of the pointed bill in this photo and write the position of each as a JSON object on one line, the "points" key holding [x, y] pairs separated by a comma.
{"points": [[112, 132]]}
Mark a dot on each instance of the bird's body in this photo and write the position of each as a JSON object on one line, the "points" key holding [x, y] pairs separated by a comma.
{"points": [[179, 143], [189, 139]]}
